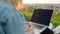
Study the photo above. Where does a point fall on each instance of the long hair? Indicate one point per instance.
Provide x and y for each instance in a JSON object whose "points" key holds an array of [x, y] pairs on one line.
{"points": [[16, 3], [13, 2]]}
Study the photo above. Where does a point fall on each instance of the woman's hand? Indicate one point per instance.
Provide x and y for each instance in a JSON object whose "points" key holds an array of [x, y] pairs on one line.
{"points": [[29, 30]]}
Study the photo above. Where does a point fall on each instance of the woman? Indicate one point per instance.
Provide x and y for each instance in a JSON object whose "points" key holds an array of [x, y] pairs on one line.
{"points": [[11, 20]]}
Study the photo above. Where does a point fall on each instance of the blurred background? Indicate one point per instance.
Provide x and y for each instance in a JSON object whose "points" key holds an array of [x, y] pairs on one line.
{"points": [[29, 8]]}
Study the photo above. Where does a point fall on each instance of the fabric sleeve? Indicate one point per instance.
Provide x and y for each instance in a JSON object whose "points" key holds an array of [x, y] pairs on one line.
{"points": [[15, 23]]}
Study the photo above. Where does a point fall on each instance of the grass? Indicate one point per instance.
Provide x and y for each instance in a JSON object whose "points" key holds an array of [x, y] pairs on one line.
{"points": [[55, 18]]}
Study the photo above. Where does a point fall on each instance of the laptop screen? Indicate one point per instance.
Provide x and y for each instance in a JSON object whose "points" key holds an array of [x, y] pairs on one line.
{"points": [[42, 16]]}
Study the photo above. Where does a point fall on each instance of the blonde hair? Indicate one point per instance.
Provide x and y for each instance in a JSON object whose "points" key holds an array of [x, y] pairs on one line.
{"points": [[16, 3], [13, 2]]}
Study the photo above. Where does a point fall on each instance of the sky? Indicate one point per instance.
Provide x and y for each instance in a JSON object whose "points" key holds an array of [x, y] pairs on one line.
{"points": [[41, 1]]}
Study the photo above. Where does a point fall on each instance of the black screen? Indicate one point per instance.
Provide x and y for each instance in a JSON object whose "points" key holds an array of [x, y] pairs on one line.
{"points": [[42, 16]]}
